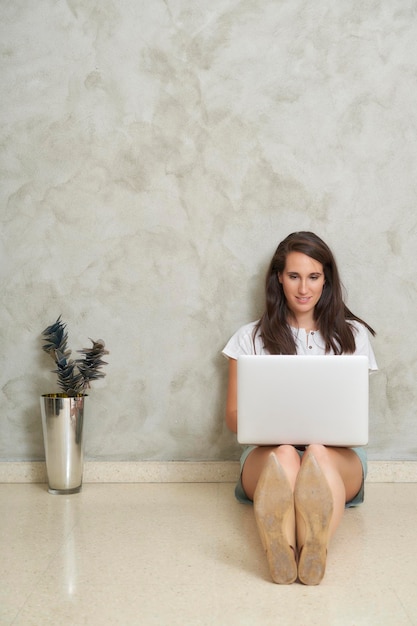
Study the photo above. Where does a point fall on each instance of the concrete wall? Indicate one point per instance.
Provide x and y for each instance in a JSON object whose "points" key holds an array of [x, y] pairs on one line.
{"points": [[153, 154]]}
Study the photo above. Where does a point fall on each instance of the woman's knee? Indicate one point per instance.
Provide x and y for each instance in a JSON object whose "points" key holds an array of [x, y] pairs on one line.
{"points": [[287, 453], [290, 460], [320, 452]]}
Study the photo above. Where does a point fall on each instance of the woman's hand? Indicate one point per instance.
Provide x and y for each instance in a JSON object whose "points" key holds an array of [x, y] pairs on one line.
{"points": [[231, 402]]}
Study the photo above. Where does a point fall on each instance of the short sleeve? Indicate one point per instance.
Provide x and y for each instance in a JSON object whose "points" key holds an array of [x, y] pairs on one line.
{"points": [[363, 344], [243, 342]]}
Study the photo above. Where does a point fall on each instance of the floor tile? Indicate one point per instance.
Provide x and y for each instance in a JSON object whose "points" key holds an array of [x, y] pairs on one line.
{"points": [[189, 554]]}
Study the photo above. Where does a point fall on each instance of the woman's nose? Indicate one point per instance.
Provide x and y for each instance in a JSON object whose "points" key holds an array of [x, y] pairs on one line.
{"points": [[302, 287]]}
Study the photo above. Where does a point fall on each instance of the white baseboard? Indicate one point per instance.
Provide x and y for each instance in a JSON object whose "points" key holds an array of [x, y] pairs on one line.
{"points": [[181, 472]]}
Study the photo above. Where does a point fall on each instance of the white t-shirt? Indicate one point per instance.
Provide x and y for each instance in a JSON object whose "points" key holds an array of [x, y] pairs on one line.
{"points": [[311, 343]]}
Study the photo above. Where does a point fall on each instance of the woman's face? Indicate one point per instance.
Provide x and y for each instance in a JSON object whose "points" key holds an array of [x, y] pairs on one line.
{"points": [[302, 281]]}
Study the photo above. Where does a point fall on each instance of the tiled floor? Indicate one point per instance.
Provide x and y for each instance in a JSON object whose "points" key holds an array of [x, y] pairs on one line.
{"points": [[189, 554]]}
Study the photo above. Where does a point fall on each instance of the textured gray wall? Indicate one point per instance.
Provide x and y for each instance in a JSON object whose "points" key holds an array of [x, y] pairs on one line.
{"points": [[153, 153]]}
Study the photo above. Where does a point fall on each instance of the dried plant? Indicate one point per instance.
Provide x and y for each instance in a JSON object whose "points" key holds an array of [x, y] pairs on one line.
{"points": [[74, 376]]}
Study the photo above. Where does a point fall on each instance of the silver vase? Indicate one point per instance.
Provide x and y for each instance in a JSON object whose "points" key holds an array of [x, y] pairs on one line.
{"points": [[62, 425]]}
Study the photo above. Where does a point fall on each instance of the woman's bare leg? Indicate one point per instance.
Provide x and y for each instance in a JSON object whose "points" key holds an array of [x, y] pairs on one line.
{"points": [[268, 478], [290, 461], [343, 472], [327, 479], [287, 456], [323, 482]]}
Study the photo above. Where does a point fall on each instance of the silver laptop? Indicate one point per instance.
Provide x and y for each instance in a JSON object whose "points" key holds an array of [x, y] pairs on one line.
{"points": [[301, 400]]}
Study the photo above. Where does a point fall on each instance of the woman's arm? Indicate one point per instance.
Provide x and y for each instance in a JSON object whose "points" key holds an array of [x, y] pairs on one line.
{"points": [[231, 402]]}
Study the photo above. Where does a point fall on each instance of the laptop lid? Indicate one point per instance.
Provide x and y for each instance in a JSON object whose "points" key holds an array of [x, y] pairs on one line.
{"points": [[301, 400]]}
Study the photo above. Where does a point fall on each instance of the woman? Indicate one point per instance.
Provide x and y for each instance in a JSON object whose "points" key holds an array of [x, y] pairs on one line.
{"points": [[299, 493]]}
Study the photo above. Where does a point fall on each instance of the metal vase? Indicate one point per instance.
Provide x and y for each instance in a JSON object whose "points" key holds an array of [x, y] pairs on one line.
{"points": [[62, 425]]}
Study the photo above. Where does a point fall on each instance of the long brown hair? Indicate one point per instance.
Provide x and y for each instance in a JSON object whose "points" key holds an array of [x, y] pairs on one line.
{"points": [[330, 314]]}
